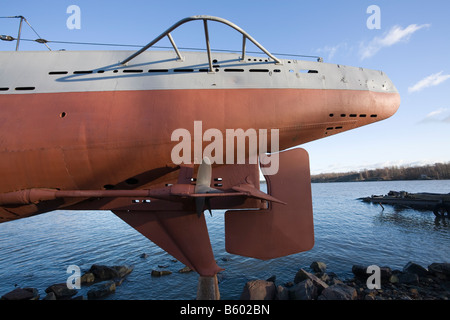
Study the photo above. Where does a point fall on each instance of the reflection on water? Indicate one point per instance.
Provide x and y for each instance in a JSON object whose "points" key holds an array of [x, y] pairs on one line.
{"points": [[413, 219], [36, 252]]}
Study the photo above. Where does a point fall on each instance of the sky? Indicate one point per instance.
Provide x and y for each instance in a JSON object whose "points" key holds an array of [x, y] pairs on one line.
{"points": [[408, 40]]}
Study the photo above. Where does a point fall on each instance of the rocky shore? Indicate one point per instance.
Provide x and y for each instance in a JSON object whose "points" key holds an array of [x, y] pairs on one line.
{"points": [[413, 282], [102, 281]]}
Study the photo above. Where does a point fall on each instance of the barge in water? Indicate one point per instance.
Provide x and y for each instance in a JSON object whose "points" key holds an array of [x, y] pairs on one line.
{"points": [[439, 203]]}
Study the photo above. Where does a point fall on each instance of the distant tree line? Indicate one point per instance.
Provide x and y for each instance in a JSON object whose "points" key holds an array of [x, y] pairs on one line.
{"points": [[437, 171]]}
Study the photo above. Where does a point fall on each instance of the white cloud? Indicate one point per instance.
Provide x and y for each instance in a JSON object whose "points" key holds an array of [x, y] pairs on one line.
{"points": [[436, 112], [430, 81], [439, 115], [394, 35]]}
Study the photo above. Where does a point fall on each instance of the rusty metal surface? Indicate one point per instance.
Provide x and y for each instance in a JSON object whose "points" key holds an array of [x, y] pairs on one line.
{"points": [[106, 138], [282, 229], [182, 234]]}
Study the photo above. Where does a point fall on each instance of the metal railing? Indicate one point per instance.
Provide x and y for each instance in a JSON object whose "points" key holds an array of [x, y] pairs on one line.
{"points": [[245, 37]]}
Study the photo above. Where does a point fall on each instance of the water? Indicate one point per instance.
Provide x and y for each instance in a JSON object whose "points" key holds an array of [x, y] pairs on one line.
{"points": [[35, 252]]}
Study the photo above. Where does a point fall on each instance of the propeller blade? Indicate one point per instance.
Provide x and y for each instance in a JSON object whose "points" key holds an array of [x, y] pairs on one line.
{"points": [[203, 183]]}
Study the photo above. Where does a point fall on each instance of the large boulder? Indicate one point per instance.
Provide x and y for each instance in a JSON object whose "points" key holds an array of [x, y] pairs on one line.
{"points": [[304, 290], [282, 293], [101, 290], [21, 294], [360, 272], [303, 275], [318, 266], [123, 271], [61, 291], [441, 270], [102, 273], [88, 277], [259, 290], [339, 292], [415, 268]]}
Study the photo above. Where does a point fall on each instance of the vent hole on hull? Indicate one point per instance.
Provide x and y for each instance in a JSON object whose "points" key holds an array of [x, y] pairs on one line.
{"points": [[132, 71], [183, 70], [83, 72], [132, 181], [259, 70], [158, 70], [24, 88], [57, 72]]}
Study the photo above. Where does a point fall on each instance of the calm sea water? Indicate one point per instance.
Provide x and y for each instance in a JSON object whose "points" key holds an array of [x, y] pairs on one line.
{"points": [[36, 252]]}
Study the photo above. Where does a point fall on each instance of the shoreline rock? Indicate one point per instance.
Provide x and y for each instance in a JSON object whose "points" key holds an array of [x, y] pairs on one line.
{"points": [[21, 294], [413, 282], [60, 292], [102, 280], [101, 290], [102, 273], [160, 273], [259, 290]]}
